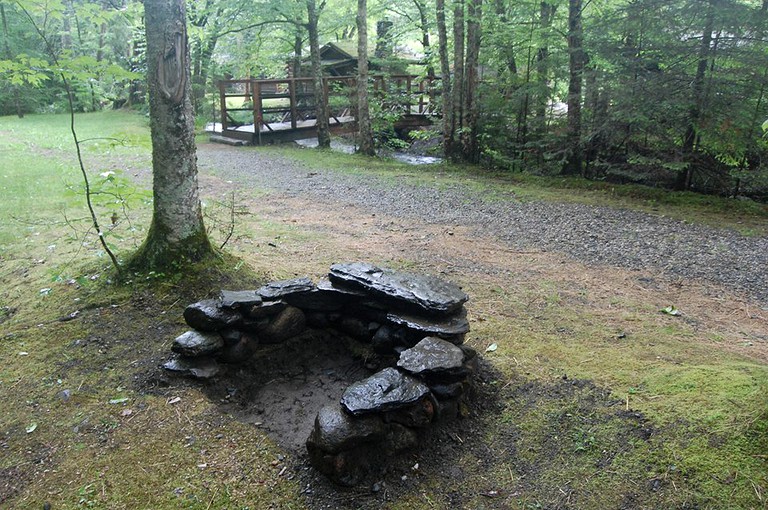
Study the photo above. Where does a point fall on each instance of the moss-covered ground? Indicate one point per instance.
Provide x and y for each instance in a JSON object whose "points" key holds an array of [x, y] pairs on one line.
{"points": [[590, 397]]}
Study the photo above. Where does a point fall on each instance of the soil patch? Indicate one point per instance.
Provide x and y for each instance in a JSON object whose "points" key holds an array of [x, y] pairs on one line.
{"points": [[283, 387]]}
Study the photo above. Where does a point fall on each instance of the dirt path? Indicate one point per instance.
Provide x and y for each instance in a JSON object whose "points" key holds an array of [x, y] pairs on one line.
{"points": [[486, 245], [595, 236]]}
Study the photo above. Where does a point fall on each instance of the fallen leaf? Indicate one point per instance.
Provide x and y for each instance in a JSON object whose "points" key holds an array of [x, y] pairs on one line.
{"points": [[174, 400], [32, 427], [671, 310], [126, 412], [492, 347]]}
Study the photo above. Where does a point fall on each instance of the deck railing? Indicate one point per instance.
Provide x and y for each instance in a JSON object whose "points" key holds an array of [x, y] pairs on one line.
{"points": [[292, 100]]}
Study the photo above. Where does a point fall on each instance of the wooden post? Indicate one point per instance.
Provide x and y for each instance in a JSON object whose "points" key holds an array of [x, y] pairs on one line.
{"points": [[292, 99], [325, 97], [223, 102], [258, 112], [421, 97]]}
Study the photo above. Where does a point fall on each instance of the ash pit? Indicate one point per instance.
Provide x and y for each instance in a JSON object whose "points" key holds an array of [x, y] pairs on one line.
{"points": [[355, 368]]}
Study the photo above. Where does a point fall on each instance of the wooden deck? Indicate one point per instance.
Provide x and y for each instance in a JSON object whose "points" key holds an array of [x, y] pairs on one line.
{"points": [[271, 111]]}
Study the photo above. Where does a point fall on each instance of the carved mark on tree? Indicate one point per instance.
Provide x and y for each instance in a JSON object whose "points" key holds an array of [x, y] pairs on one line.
{"points": [[170, 68]]}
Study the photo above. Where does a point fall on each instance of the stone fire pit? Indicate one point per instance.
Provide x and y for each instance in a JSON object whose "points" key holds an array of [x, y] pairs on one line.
{"points": [[415, 323]]}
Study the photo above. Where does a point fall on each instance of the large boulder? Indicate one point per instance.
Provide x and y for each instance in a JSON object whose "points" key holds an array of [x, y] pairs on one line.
{"points": [[421, 293]]}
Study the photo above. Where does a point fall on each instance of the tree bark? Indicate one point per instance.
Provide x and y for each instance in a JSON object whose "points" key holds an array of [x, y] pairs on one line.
{"points": [[8, 54], [457, 100], [469, 131], [365, 132], [321, 106], [697, 99], [445, 71], [574, 158], [546, 15], [177, 233]]}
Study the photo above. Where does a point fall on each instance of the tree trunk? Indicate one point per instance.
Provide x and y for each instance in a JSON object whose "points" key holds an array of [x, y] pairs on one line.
{"points": [[365, 133], [298, 43], [546, 16], [573, 161], [177, 233], [697, 100], [445, 70], [469, 139], [457, 100], [426, 44], [9, 55], [321, 106]]}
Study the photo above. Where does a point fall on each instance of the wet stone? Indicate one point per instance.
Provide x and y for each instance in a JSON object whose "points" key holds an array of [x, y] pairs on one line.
{"points": [[266, 309], [383, 391], [425, 293], [335, 430], [207, 315], [290, 322], [240, 352], [200, 368], [196, 343], [239, 298], [449, 327], [431, 355], [283, 288]]}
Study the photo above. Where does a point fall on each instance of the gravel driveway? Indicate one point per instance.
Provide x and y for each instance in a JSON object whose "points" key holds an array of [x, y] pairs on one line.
{"points": [[591, 234]]}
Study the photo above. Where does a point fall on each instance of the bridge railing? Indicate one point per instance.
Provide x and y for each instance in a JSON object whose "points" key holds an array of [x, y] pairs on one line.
{"points": [[288, 103]]}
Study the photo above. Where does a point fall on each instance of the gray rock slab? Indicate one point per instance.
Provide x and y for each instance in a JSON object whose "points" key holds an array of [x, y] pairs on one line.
{"points": [[266, 309], [442, 327], [279, 289], [197, 343], [383, 391], [239, 298], [200, 368], [207, 315], [431, 355], [424, 293]]}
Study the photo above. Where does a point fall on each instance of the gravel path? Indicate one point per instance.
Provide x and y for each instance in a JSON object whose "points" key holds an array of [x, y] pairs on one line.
{"points": [[591, 234]]}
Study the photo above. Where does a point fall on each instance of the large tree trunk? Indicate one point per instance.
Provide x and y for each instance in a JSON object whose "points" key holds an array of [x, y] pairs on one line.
{"points": [[321, 109], [469, 138], [365, 132], [445, 70], [546, 16], [177, 233], [457, 100], [697, 100], [8, 54], [573, 161], [426, 44]]}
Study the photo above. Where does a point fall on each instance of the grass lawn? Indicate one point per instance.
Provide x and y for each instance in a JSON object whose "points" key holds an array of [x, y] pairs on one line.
{"points": [[592, 397]]}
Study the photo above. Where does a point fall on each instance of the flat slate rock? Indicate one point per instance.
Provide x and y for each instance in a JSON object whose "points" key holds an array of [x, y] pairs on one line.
{"points": [[421, 292], [197, 343], [431, 355], [199, 368], [443, 327], [207, 315], [383, 391], [282, 288], [239, 298]]}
